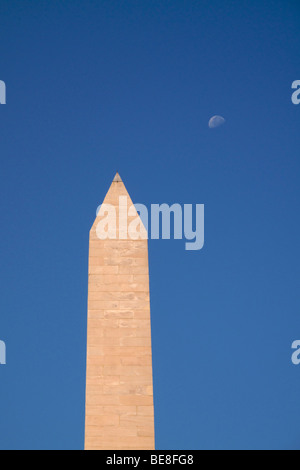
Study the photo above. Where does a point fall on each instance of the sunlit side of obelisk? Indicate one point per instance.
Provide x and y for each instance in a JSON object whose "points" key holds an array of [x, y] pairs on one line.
{"points": [[119, 390]]}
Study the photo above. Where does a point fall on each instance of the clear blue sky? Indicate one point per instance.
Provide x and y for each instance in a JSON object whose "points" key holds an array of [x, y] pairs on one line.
{"points": [[99, 86]]}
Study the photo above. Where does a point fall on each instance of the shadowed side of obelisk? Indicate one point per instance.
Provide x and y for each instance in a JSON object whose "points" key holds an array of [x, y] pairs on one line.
{"points": [[119, 390]]}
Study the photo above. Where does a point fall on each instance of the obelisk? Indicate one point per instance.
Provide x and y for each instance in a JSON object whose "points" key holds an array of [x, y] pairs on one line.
{"points": [[119, 390]]}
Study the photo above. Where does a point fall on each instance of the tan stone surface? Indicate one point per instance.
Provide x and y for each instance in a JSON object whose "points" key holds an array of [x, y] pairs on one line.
{"points": [[119, 389]]}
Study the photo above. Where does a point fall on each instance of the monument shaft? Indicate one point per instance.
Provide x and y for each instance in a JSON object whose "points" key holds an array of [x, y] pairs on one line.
{"points": [[119, 389]]}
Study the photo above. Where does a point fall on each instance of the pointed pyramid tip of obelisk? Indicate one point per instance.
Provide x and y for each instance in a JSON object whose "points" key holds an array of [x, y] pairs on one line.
{"points": [[117, 178]]}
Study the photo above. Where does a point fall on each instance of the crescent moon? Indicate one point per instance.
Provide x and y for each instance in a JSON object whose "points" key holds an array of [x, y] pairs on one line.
{"points": [[216, 121]]}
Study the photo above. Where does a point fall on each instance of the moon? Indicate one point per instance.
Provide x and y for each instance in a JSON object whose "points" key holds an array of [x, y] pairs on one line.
{"points": [[216, 121]]}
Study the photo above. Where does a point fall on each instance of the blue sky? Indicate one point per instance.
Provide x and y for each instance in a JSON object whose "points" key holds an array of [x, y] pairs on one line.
{"points": [[95, 87]]}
